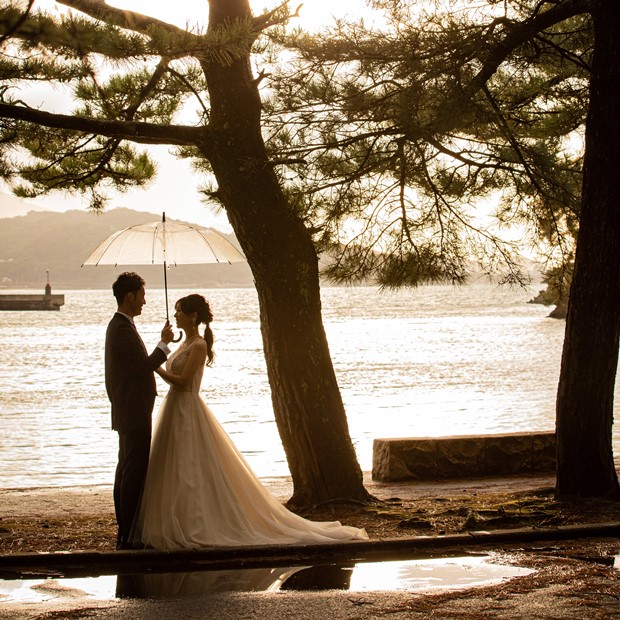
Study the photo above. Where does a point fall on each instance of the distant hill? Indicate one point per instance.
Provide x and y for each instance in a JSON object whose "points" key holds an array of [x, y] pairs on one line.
{"points": [[60, 242], [10, 205]]}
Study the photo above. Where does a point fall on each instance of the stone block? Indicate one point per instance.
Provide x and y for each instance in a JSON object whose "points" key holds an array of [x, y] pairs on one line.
{"points": [[507, 454], [543, 452], [419, 458], [436, 458], [403, 459], [459, 457]]}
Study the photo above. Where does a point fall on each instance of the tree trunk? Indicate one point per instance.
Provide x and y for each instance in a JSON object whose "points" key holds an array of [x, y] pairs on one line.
{"points": [[308, 407], [590, 356]]}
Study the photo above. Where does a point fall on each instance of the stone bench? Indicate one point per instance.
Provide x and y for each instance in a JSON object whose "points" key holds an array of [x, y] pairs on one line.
{"points": [[436, 458]]}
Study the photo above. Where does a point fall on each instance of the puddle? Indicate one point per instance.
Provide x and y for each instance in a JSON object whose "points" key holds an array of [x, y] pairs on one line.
{"points": [[442, 573]]}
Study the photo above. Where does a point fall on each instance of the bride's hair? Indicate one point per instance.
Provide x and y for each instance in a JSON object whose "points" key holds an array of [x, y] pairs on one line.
{"points": [[198, 304]]}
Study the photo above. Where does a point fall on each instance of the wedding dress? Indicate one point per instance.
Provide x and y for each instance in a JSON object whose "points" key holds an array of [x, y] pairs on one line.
{"points": [[200, 491]]}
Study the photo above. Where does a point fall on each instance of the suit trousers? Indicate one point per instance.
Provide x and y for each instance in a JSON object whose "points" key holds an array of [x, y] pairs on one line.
{"points": [[133, 459]]}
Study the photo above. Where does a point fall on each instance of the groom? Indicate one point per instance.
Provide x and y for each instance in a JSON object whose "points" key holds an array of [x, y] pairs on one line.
{"points": [[130, 384]]}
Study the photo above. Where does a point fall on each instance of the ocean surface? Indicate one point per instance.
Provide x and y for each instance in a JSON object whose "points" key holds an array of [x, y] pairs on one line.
{"points": [[426, 362]]}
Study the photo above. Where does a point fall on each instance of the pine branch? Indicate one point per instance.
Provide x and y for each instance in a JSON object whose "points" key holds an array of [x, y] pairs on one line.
{"points": [[148, 88], [138, 132], [188, 85], [18, 23], [496, 55], [130, 20], [275, 17], [224, 43], [71, 36]]}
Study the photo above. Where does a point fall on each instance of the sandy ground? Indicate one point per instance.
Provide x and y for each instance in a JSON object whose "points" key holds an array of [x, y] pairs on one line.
{"points": [[46, 502], [569, 580]]}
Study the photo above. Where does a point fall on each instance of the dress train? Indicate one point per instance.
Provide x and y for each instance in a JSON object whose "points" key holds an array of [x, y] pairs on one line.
{"points": [[200, 491]]}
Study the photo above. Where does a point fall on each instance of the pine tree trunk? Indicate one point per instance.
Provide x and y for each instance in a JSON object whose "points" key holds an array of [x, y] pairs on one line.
{"points": [[590, 356], [308, 407]]}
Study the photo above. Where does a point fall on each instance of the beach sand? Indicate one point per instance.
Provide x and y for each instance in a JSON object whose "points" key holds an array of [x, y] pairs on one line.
{"points": [[56, 502]]}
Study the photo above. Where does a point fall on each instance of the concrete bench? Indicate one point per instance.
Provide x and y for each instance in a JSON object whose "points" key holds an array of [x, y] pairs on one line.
{"points": [[437, 458]]}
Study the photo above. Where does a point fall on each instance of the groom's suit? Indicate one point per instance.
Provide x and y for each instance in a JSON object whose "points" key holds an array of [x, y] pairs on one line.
{"points": [[131, 388]]}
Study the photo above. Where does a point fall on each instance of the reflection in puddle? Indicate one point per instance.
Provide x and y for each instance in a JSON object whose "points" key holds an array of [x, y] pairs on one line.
{"points": [[38, 590], [201, 582], [444, 573]]}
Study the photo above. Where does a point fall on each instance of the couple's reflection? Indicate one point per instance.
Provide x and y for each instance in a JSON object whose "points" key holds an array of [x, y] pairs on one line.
{"points": [[243, 580]]}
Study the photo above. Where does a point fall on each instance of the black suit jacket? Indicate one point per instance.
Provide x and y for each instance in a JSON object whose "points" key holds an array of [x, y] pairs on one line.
{"points": [[129, 377]]}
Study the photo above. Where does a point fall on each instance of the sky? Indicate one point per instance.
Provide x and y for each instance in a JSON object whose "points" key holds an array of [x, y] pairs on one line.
{"points": [[175, 189]]}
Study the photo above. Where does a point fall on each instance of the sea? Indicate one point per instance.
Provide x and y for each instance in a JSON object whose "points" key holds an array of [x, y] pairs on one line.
{"points": [[430, 361]]}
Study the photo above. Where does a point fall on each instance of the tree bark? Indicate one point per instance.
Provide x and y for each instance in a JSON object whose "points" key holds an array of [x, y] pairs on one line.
{"points": [[590, 356], [308, 407]]}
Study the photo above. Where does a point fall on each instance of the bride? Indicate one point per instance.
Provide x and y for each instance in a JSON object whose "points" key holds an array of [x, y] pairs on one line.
{"points": [[199, 490]]}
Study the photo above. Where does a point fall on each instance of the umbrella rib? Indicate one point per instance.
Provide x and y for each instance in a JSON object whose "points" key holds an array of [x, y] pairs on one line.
{"points": [[155, 237], [206, 241], [212, 250], [110, 241]]}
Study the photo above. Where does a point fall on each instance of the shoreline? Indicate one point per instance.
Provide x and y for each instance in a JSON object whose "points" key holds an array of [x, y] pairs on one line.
{"points": [[46, 502]]}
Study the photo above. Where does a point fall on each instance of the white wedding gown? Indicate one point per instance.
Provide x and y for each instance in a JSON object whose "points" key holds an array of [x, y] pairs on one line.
{"points": [[199, 490]]}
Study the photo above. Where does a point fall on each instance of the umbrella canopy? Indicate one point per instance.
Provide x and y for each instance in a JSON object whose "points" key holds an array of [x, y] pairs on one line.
{"points": [[165, 243], [171, 243]]}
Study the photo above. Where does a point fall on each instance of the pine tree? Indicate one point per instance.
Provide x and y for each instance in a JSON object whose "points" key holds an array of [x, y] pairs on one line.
{"points": [[392, 137], [132, 77]]}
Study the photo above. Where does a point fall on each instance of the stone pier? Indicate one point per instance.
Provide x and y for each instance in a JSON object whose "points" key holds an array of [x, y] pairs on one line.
{"points": [[437, 458]]}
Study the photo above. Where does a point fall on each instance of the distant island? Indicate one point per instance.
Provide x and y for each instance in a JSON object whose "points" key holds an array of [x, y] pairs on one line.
{"points": [[42, 241]]}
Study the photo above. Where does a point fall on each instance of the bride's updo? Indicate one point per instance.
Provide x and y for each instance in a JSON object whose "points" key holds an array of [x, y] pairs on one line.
{"points": [[198, 304]]}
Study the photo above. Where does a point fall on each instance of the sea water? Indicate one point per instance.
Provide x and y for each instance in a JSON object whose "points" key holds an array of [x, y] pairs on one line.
{"points": [[424, 362]]}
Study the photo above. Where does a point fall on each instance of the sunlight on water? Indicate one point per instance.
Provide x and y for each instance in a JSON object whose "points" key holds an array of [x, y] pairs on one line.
{"points": [[431, 361], [404, 575], [39, 590], [439, 573]]}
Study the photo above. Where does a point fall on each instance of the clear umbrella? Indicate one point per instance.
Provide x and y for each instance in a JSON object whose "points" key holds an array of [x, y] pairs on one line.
{"points": [[165, 243]]}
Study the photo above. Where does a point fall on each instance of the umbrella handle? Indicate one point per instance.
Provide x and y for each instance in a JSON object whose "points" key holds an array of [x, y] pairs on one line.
{"points": [[178, 338]]}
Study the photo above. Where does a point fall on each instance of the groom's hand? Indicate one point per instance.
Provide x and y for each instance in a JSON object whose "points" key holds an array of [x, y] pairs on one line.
{"points": [[167, 335]]}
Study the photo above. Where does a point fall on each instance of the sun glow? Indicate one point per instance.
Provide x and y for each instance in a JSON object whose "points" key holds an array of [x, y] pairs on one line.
{"points": [[312, 14], [175, 188]]}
